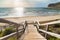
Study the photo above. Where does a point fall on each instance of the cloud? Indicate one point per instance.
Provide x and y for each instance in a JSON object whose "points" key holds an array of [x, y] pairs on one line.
{"points": [[29, 3], [40, 3], [36, 1], [33, 3], [25, 2], [5, 1]]}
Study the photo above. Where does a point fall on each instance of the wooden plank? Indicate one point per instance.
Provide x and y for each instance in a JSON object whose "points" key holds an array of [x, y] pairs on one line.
{"points": [[50, 23], [31, 33], [10, 35], [46, 32], [7, 21], [50, 33], [47, 28]]}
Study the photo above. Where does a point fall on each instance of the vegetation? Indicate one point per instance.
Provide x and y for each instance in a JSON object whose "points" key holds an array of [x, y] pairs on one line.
{"points": [[13, 38], [53, 38], [0, 32], [8, 31], [55, 29], [52, 28]]}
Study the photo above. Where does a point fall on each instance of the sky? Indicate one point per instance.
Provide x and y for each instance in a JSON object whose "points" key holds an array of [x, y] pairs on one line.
{"points": [[41, 3], [28, 3]]}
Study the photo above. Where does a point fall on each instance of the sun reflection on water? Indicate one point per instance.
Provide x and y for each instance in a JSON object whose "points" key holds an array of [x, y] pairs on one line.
{"points": [[19, 11]]}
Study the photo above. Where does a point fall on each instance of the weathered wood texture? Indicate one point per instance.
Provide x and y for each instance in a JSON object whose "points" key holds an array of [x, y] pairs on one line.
{"points": [[31, 33]]}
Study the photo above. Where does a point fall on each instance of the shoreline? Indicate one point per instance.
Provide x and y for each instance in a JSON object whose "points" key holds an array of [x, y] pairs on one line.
{"points": [[27, 16]]}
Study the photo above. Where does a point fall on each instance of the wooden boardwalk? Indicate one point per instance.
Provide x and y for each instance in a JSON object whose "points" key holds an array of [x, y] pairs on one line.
{"points": [[31, 33]]}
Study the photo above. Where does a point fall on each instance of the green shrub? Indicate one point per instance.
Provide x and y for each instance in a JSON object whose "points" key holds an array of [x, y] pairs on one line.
{"points": [[57, 25], [53, 38], [0, 32], [7, 31], [13, 38]]}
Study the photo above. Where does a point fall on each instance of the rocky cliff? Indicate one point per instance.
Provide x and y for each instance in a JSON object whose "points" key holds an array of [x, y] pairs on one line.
{"points": [[54, 5]]}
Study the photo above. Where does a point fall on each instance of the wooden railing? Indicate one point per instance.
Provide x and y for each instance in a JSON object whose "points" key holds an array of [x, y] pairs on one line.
{"points": [[18, 33], [24, 25], [46, 31]]}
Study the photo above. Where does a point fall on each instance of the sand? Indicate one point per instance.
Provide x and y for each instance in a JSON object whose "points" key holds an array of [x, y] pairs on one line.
{"points": [[33, 18]]}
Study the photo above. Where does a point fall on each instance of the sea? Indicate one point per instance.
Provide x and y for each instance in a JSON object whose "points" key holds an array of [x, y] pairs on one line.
{"points": [[28, 11]]}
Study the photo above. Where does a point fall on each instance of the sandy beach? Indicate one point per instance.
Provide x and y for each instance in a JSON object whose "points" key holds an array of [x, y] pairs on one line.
{"points": [[33, 18]]}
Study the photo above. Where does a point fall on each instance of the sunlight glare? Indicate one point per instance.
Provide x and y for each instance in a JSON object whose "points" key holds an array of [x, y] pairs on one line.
{"points": [[18, 8], [19, 11]]}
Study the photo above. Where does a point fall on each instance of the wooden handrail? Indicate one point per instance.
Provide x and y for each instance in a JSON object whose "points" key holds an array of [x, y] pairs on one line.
{"points": [[46, 32], [24, 25], [10, 35], [17, 30], [6, 21], [50, 33], [51, 23]]}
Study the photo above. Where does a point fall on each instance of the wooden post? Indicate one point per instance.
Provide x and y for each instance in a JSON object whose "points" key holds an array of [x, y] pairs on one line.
{"points": [[37, 25], [26, 28], [17, 32], [47, 28], [24, 25]]}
